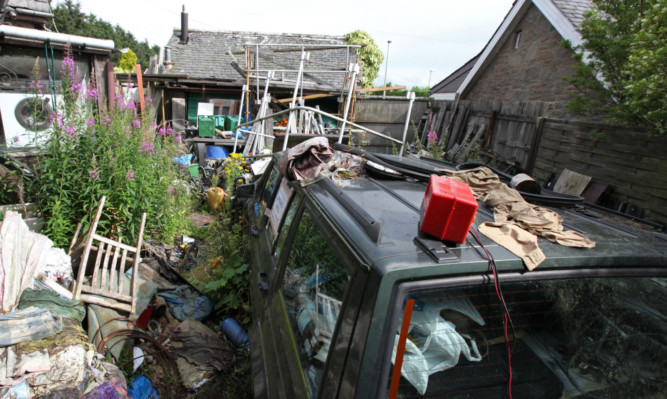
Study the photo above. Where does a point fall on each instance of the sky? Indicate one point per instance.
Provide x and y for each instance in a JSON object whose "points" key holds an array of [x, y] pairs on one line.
{"points": [[429, 39]]}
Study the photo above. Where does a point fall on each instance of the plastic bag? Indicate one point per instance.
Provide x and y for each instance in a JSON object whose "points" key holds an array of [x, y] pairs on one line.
{"points": [[434, 343]]}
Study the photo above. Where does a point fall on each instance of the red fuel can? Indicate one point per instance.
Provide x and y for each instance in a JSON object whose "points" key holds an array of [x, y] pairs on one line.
{"points": [[448, 209]]}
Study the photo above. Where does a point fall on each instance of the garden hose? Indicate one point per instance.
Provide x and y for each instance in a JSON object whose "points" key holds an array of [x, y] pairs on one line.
{"points": [[51, 72]]}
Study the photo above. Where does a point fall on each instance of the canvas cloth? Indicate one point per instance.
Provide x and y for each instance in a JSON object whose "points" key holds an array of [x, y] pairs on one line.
{"points": [[517, 223]]}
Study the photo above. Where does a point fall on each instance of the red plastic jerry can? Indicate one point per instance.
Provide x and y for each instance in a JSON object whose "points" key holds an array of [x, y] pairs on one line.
{"points": [[448, 209]]}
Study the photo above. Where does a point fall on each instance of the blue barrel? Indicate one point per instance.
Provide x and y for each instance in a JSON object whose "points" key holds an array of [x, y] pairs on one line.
{"points": [[234, 332], [216, 152]]}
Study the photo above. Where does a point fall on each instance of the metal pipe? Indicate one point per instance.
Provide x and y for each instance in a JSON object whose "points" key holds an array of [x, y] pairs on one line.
{"points": [[184, 26], [15, 32], [328, 115], [354, 69], [236, 136], [411, 97], [304, 56], [386, 65]]}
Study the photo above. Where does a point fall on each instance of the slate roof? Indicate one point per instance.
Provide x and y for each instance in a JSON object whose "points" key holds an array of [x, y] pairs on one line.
{"points": [[574, 10], [452, 82], [206, 56], [34, 5]]}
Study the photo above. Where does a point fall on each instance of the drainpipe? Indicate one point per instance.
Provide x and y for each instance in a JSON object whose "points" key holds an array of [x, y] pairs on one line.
{"points": [[411, 97], [184, 26], [354, 69]]}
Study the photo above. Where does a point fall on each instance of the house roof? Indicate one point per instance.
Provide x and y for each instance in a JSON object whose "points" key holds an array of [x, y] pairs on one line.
{"points": [[566, 17], [220, 56], [452, 82]]}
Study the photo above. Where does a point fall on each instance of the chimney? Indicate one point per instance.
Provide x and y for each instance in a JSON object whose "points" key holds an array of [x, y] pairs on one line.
{"points": [[167, 58], [184, 26]]}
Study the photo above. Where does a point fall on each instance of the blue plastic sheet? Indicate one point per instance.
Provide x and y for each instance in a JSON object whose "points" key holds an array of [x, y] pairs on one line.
{"points": [[184, 159], [184, 302], [141, 388]]}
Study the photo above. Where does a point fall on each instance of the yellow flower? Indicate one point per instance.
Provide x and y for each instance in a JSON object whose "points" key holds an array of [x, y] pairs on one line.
{"points": [[240, 168]]}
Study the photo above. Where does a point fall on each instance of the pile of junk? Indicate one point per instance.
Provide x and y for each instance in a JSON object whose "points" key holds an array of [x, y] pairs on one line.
{"points": [[102, 319]]}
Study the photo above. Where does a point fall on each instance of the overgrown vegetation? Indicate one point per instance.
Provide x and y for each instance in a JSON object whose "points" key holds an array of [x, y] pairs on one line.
{"points": [[622, 65], [89, 153], [370, 55], [68, 18]]}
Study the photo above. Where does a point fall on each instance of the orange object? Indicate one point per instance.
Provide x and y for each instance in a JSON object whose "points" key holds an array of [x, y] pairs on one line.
{"points": [[400, 349], [140, 85], [448, 209], [216, 198]]}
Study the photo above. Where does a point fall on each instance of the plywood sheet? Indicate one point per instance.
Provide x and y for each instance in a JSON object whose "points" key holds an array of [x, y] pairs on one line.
{"points": [[570, 182]]}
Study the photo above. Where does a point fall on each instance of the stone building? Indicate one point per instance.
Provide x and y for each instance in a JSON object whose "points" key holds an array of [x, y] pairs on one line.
{"points": [[524, 59]]}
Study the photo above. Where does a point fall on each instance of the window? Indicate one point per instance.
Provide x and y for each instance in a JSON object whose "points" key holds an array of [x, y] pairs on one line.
{"points": [[517, 39], [313, 286], [269, 190], [584, 337]]}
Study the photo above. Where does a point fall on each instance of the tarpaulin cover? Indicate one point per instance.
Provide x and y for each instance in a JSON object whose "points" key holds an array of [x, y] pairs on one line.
{"points": [[305, 160], [141, 388], [184, 302], [28, 325], [22, 252], [59, 306]]}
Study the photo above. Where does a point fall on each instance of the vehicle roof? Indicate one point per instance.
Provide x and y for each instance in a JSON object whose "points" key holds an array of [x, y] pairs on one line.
{"points": [[395, 205]]}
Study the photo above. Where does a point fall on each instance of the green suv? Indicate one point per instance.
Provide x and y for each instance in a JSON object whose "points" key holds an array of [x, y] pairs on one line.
{"points": [[350, 300]]}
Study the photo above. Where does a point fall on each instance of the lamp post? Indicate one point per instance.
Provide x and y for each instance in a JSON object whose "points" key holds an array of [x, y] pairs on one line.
{"points": [[386, 63], [429, 78]]}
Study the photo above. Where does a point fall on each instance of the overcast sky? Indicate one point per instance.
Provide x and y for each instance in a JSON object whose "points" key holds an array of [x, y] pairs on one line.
{"points": [[425, 35]]}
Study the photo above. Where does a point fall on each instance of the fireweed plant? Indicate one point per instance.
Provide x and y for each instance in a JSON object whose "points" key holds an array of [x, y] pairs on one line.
{"points": [[92, 152]]}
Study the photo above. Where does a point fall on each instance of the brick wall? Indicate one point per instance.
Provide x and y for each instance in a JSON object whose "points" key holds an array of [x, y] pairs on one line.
{"points": [[532, 72]]}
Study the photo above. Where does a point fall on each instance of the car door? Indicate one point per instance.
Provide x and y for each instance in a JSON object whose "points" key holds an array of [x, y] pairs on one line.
{"points": [[312, 296]]}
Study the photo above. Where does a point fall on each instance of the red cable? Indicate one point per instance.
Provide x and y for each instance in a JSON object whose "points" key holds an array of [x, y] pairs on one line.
{"points": [[496, 284]]}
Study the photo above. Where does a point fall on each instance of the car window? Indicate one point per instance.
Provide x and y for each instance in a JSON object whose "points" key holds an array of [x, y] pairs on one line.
{"points": [[314, 284], [269, 189], [583, 337], [283, 233]]}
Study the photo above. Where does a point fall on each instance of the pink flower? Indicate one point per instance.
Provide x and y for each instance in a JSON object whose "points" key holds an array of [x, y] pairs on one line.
{"points": [[90, 122], [94, 174], [170, 191], [147, 147], [432, 137], [178, 138], [130, 175], [131, 105], [36, 85], [137, 123], [161, 132], [91, 93], [70, 130], [16, 139], [76, 87]]}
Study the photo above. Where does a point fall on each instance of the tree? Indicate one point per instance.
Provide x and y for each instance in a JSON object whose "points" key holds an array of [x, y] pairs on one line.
{"points": [[370, 55], [621, 69], [128, 61], [68, 18]]}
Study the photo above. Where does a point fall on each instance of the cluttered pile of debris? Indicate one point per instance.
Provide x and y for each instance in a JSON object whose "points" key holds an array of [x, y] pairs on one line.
{"points": [[104, 319]]}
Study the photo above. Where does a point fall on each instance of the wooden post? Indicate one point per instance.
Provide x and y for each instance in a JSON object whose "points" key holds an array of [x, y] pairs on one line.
{"points": [[140, 85], [111, 85]]}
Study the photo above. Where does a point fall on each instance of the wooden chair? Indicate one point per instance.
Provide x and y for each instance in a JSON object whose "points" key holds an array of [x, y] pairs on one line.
{"points": [[105, 287]]}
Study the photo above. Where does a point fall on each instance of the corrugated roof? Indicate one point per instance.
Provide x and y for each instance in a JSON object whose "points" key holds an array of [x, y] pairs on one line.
{"points": [[207, 56], [574, 10]]}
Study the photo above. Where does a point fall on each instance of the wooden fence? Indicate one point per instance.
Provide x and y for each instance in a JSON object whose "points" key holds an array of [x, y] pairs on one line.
{"points": [[630, 160]]}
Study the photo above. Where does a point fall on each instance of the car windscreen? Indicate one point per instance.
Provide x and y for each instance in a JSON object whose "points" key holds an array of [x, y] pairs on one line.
{"points": [[601, 337]]}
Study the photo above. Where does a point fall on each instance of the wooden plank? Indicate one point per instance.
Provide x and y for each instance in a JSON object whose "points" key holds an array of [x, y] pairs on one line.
{"points": [[96, 266], [114, 243], [570, 182], [106, 293], [106, 303]]}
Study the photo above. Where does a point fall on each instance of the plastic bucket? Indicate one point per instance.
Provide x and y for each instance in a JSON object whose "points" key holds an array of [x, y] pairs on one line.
{"points": [[234, 332], [216, 152]]}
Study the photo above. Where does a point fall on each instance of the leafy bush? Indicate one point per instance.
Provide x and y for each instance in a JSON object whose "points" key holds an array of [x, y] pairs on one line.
{"points": [[90, 152]]}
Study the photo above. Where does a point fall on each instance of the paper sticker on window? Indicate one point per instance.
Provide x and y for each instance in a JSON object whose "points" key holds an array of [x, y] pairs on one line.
{"points": [[279, 205]]}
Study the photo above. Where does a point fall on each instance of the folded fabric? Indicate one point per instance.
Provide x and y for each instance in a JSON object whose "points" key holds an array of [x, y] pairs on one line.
{"points": [[517, 220]]}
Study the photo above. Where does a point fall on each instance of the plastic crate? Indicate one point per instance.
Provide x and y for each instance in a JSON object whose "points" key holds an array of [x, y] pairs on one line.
{"points": [[206, 126], [231, 122]]}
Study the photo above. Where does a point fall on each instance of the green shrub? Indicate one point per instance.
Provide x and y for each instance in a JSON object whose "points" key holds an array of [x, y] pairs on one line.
{"points": [[90, 152]]}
